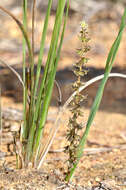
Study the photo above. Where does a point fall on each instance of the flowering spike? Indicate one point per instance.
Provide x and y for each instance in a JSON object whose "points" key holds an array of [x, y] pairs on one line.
{"points": [[79, 70]]}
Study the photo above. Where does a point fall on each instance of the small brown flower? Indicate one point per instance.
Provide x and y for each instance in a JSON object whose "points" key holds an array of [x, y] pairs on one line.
{"points": [[74, 126]]}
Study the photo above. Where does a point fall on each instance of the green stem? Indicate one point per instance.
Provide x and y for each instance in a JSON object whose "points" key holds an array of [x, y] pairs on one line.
{"points": [[24, 135], [96, 103], [35, 114], [49, 68]]}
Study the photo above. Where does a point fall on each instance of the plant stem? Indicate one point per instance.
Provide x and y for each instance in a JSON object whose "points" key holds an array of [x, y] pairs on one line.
{"points": [[96, 103]]}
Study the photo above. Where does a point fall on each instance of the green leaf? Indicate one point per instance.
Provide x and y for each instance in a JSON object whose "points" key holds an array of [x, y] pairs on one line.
{"points": [[96, 103]]}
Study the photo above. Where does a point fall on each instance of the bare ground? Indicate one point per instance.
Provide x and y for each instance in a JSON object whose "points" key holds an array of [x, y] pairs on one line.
{"points": [[103, 165]]}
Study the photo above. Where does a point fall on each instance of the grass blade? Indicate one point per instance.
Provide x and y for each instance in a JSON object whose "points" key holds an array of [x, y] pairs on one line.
{"points": [[24, 128], [35, 114], [49, 64], [42, 45], [22, 30], [109, 63], [33, 23], [46, 148], [49, 72]]}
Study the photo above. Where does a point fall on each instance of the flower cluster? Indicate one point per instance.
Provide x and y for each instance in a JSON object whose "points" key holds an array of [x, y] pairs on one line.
{"points": [[79, 70]]}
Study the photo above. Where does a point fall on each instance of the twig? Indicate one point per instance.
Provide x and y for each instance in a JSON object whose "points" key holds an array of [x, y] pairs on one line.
{"points": [[17, 115], [13, 70], [12, 114], [90, 151], [16, 73], [54, 129], [60, 93]]}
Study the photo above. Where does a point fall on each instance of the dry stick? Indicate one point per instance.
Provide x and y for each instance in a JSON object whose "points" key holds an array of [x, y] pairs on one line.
{"points": [[54, 129], [17, 115], [90, 151], [60, 93], [21, 27], [25, 35], [12, 114], [13, 70], [16, 73]]}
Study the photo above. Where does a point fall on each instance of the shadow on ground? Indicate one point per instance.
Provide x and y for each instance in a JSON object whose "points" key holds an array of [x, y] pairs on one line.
{"points": [[114, 97]]}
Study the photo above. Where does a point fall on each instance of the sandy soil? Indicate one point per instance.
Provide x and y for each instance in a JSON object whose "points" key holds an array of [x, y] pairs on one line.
{"points": [[103, 164]]}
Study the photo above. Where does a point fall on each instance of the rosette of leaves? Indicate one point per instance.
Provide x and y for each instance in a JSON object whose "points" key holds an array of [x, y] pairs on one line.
{"points": [[74, 126]]}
